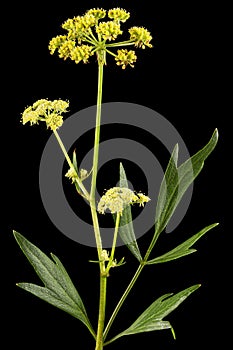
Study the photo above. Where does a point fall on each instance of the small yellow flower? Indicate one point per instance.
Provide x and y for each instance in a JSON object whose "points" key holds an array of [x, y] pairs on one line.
{"points": [[109, 30], [54, 121], [141, 36], [118, 14], [59, 106], [69, 24], [47, 111], [87, 21], [72, 174], [30, 116], [80, 24], [66, 49], [42, 102], [104, 255], [56, 42], [81, 53], [97, 13], [83, 174], [117, 198], [142, 199], [125, 57]]}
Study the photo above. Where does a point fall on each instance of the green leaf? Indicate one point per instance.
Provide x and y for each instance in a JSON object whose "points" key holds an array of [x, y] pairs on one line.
{"points": [[52, 298], [153, 317], [177, 180], [74, 161], [58, 288], [126, 229], [182, 249], [169, 188]]}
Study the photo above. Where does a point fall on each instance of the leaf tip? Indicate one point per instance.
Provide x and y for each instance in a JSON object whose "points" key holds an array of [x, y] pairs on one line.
{"points": [[17, 235], [216, 132], [176, 148], [173, 333], [215, 135]]}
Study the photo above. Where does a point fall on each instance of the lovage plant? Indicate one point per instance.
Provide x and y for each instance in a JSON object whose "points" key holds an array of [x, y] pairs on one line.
{"points": [[95, 34]]}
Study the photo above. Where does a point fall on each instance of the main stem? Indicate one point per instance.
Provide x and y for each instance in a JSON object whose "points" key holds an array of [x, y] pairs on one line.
{"points": [[95, 164], [103, 275]]}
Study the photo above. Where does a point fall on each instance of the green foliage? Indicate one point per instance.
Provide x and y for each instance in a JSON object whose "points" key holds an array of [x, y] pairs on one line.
{"points": [[182, 249], [177, 180], [152, 318], [74, 161], [58, 288], [126, 229]]}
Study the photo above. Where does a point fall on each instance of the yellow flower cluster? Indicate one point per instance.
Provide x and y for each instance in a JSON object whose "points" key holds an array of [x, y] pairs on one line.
{"points": [[118, 14], [117, 198], [142, 199], [48, 111], [81, 53], [125, 57], [109, 30], [79, 26], [89, 34], [72, 174], [97, 13], [140, 36]]}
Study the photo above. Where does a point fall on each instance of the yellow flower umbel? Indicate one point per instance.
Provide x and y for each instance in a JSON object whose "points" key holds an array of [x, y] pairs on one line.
{"points": [[47, 111], [92, 34], [125, 57], [140, 36], [108, 30], [117, 198], [118, 15]]}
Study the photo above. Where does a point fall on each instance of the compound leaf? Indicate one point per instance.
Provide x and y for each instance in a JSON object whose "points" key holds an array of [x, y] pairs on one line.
{"points": [[58, 288]]}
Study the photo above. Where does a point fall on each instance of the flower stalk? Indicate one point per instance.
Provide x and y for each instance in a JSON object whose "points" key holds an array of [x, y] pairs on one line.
{"points": [[76, 177]]}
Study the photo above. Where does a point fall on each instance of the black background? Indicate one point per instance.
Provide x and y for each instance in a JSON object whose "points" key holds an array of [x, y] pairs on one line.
{"points": [[182, 79]]}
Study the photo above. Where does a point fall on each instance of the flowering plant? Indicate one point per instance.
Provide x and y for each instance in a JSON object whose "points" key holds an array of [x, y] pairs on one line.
{"points": [[86, 36]]}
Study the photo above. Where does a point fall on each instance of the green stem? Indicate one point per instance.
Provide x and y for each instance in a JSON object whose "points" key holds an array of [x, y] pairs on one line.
{"points": [[115, 236], [122, 43], [121, 301], [79, 182], [102, 306], [103, 275], [111, 258], [97, 132], [111, 53], [95, 165], [92, 36], [152, 244]]}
